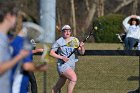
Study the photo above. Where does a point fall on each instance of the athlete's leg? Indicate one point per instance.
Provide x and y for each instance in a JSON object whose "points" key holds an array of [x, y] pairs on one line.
{"points": [[32, 80], [59, 84], [71, 75]]}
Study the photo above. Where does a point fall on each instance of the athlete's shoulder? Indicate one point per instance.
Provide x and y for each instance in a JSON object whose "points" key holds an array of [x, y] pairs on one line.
{"points": [[18, 39], [72, 37], [59, 40]]}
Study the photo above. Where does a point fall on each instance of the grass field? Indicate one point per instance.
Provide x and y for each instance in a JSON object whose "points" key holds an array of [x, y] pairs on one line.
{"points": [[98, 74]]}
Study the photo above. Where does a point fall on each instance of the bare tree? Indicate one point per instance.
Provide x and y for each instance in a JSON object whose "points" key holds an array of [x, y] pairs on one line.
{"points": [[90, 15], [19, 23], [87, 5], [100, 7], [135, 7], [73, 17], [123, 4], [58, 16]]}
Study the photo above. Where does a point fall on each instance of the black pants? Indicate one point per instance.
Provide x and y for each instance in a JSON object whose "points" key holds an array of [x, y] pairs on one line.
{"points": [[32, 80]]}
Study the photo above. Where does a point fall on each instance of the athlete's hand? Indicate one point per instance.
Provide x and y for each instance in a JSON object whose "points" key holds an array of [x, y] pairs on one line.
{"points": [[65, 59], [81, 44], [38, 50], [23, 53], [42, 67], [81, 48]]}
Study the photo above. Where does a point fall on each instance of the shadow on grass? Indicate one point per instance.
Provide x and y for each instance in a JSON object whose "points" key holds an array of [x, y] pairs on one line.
{"points": [[133, 78]]}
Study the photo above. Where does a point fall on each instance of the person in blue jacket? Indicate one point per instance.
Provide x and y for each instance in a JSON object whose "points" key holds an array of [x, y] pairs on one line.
{"points": [[20, 73]]}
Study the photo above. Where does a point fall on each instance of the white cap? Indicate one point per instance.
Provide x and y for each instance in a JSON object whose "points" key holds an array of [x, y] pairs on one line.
{"points": [[65, 27]]}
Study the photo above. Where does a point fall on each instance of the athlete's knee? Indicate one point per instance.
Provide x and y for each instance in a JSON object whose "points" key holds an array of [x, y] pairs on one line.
{"points": [[73, 78], [72, 82]]}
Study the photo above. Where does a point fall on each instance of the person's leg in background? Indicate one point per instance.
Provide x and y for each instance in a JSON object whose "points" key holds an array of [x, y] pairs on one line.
{"points": [[32, 80], [126, 43], [61, 81], [132, 41]]}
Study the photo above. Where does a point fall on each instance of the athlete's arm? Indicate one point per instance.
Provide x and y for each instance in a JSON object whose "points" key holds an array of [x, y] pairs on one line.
{"points": [[81, 49], [9, 64], [38, 50], [30, 66], [53, 53]]}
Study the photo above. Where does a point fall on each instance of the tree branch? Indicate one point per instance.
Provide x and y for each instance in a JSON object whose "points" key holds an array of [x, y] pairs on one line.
{"points": [[123, 4]]}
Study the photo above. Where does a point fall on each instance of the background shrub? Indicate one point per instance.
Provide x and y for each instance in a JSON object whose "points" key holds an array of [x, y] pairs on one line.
{"points": [[108, 27]]}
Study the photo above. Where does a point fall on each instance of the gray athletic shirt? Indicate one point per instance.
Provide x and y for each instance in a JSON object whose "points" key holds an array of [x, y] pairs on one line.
{"points": [[65, 50], [4, 56]]}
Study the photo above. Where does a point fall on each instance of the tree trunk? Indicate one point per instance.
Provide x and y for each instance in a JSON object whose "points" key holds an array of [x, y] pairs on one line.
{"points": [[100, 8], [135, 7], [73, 17], [123, 4], [19, 22], [87, 5], [58, 17], [90, 15]]}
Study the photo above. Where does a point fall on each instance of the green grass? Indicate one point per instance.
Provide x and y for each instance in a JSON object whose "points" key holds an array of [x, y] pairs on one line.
{"points": [[98, 74]]}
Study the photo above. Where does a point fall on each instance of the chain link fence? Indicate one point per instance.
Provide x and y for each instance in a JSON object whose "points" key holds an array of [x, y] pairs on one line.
{"points": [[96, 74]]}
